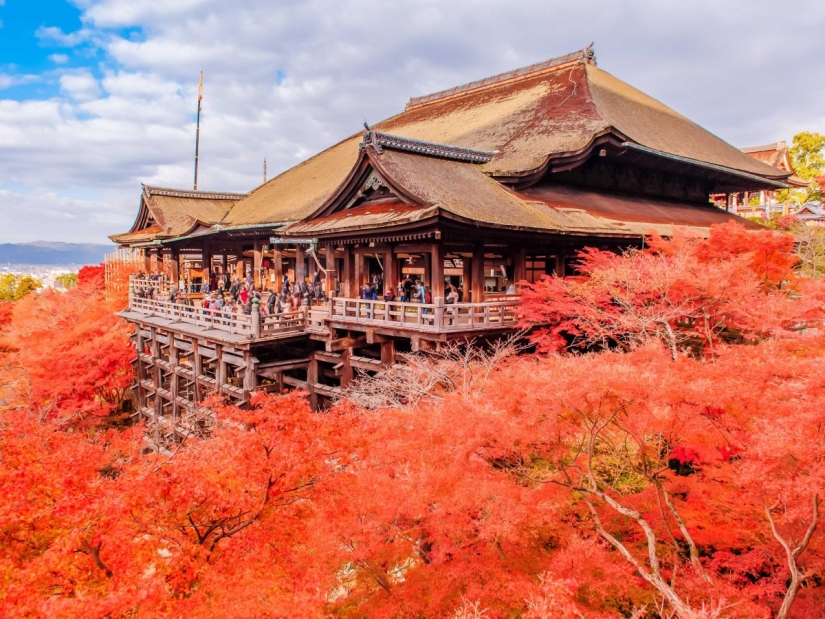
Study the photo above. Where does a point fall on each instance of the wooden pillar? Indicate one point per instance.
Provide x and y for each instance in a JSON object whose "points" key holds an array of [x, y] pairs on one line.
{"points": [[312, 378], [147, 260], [477, 279], [387, 353], [140, 371], [220, 368], [157, 411], [250, 377], [561, 254], [239, 271], [223, 261], [359, 278], [519, 266], [346, 370], [330, 272], [206, 260], [300, 264], [174, 262], [390, 270], [348, 276], [466, 279], [174, 379], [437, 270], [278, 269], [257, 262], [197, 370]]}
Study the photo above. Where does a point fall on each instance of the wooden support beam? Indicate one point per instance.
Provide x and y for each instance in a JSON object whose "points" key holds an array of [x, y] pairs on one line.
{"points": [[174, 262], [376, 338], [345, 342], [197, 369], [477, 279], [347, 277], [346, 370], [437, 269], [250, 378], [257, 263], [278, 269], [360, 277], [300, 264], [519, 265], [388, 353], [312, 378], [561, 255]]}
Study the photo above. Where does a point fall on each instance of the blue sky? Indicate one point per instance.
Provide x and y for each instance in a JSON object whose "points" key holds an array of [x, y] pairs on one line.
{"points": [[98, 96]]}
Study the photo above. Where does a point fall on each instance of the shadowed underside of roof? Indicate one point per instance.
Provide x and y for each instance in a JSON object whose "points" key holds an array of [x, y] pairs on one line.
{"points": [[528, 119]]}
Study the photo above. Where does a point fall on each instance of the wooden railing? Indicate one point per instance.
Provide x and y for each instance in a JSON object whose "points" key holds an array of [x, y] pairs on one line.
{"points": [[159, 287], [438, 317], [431, 317]]}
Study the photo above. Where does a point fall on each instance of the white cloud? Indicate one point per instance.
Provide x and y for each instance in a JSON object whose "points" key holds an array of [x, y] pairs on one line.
{"points": [[79, 85], [50, 35], [59, 58], [737, 68]]}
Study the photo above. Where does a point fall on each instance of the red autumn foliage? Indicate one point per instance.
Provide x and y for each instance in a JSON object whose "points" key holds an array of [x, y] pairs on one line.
{"points": [[609, 483], [685, 291]]}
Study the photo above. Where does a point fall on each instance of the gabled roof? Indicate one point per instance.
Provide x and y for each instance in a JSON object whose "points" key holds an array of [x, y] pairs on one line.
{"points": [[423, 187], [166, 213], [526, 117], [777, 156], [810, 210]]}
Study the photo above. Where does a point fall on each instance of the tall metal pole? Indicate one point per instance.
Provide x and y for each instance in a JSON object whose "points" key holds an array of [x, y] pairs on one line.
{"points": [[198, 129]]}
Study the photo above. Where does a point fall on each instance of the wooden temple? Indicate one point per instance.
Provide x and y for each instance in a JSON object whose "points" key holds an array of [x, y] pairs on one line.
{"points": [[477, 188]]}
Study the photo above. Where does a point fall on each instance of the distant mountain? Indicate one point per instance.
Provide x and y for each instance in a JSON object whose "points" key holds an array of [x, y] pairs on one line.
{"points": [[43, 252]]}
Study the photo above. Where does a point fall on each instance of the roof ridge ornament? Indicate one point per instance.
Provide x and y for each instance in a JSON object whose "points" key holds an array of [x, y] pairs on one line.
{"points": [[190, 193], [379, 141], [583, 56]]}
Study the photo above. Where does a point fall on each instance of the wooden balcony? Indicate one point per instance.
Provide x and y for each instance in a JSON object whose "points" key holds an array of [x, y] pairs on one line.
{"points": [[437, 318]]}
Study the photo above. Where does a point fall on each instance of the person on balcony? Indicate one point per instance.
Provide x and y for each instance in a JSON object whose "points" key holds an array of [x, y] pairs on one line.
{"points": [[368, 292], [389, 295], [452, 295]]}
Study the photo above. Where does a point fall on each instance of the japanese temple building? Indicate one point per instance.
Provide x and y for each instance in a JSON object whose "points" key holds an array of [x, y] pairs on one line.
{"points": [[481, 186]]}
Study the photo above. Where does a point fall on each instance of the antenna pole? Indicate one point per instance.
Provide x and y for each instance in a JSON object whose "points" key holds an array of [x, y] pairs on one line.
{"points": [[264, 170], [198, 129]]}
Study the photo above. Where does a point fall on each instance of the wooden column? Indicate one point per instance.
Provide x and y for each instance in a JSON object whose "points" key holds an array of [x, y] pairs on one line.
{"points": [[239, 272], [358, 280], [147, 260], [278, 269], [300, 264], [477, 279], [346, 371], [257, 262], [347, 277], [220, 368], [174, 262], [206, 260], [140, 371], [174, 379], [391, 276], [466, 279], [250, 377], [312, 378], [437, 270], [329, 271], [387, 353], [561, 254], [197, 370], [519, 266], [157, 412]]}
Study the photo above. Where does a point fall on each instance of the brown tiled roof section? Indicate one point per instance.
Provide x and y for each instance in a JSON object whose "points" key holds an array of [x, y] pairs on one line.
{"points": [[552, 113], [367, 217], [583, 55], [777, 155], [141, 236], [177, 211]]}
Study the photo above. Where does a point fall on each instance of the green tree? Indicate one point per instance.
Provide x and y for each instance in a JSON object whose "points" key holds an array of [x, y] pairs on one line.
{"points": [[67, 280], [13, 288], [808, 159]]}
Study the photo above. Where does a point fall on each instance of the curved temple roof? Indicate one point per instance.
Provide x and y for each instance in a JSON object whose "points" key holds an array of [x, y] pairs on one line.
{"points": [[526, 117]]}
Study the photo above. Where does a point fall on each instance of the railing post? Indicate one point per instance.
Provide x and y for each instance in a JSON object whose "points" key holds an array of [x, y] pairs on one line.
{"points": [[256, 318], [439, 313]]}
